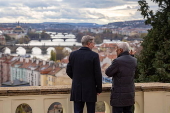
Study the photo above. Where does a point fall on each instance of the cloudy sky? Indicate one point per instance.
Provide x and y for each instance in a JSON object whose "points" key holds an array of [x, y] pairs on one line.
{"points": [[76, 11]]}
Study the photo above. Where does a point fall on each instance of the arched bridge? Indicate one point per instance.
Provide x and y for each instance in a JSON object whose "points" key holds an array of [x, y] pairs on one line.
{"points": [[61, 36], [54, 38], [28, 48]]}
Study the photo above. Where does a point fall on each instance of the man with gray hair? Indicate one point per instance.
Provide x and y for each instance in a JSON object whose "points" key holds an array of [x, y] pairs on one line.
{"points": [[122, 71], [84, 70]]}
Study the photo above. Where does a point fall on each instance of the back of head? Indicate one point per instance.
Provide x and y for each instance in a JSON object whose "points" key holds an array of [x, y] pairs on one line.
{"points": [[86, 39], [124, 46]]}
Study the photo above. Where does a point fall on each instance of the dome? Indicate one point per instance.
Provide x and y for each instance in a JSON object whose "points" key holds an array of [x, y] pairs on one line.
{"points": [[18, 29]]}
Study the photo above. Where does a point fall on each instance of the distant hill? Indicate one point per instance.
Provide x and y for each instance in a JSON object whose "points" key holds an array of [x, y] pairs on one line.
{"points": [[132, 24], [67, 25], [76, 24]]}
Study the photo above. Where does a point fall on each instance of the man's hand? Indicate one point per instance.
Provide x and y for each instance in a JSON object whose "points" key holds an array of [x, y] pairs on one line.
{"points": [[131, 52], [98, 93]]}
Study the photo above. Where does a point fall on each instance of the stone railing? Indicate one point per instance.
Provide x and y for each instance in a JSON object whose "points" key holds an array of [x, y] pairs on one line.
{"points": [[149, 98]]}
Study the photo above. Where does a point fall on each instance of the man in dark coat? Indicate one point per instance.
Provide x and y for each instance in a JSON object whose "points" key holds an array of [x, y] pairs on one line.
{"points": [[122, 71], [84, 70]]}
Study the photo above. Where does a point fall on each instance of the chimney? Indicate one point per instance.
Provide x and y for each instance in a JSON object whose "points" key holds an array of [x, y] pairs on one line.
{"points": [[37, 61], [26, 60], [12, 82], [21, 59], [32, 60], [54, 66], [8, 56], [57, 64], [49, 63], [44, 62], [21, 80]]}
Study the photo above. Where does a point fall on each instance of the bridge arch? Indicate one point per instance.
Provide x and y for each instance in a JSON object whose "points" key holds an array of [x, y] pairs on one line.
{"points": [[67, 50], [58, 40], [70, 36], [21, 50], [70, 40], [49, 50], [7, 50], [36, 50]]}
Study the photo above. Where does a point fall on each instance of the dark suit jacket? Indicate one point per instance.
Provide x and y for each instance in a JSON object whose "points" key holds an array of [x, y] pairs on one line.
{"points": [[84, 70], [122, 70]]}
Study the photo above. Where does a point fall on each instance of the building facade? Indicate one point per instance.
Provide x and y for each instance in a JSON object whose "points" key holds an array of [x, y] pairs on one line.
{"points": [[5, 64], [48, 75], [2, 40]]}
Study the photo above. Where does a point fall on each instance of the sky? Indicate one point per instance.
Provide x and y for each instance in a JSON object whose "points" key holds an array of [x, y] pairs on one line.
{"points": [[74, 11]]}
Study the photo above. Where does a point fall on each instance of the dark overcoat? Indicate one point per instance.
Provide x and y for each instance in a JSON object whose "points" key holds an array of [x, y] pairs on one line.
{"points": [[84, 70], [122, 70]]}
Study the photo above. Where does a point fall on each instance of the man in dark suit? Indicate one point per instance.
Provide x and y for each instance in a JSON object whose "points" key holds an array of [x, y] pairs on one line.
{"points": [[84, 70], [122, 71]]}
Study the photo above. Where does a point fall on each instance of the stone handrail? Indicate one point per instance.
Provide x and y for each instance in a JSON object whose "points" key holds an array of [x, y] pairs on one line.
{"points": [[65, 89]]}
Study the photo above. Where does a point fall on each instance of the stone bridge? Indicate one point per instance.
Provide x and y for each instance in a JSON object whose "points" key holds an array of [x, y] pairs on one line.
{"points": [[28, 48], [56, 38], [60, 38]]}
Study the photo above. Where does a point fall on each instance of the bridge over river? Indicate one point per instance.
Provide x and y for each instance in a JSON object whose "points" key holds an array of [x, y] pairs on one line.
{"points": [[64, 37], [28, 48]]}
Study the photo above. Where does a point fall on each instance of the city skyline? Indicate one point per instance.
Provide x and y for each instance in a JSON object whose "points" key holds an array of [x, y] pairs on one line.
{"points": [[84, 11]]}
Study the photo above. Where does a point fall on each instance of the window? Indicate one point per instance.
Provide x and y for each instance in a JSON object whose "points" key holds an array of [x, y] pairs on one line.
{"points": [[51, 79]]}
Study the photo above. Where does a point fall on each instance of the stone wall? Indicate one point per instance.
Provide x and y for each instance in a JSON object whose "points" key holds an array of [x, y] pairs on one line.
{"points": [[149, 98]]}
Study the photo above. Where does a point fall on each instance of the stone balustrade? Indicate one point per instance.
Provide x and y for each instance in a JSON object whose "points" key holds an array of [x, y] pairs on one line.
{"points": [[149, 98]]}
